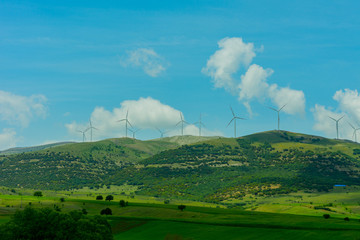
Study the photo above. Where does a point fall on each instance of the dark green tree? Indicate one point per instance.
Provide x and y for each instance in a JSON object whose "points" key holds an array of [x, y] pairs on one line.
{"points": [[45, 223], [100, 197], [109, 198], [106, 211], [38, 194], [181, 207], [122, 203]]}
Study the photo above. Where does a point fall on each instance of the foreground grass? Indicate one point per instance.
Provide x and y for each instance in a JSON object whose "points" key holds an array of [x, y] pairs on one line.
{"points": [[150, 218]]}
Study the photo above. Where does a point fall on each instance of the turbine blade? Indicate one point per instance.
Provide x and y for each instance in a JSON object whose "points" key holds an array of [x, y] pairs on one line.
{"points": [[282, 107], [232, 111], [240, 118], [178, 123], [332, 118], [129, 123], [351, 125], [272, 109], [341, 118], [230, 122]]}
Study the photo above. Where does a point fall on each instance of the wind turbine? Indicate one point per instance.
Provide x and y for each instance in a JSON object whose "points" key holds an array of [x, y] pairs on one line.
{"points": [[134, 131], [91, 128], [234, 118], [355, 129], [161, 132], [278, 114], [200, 124], [126, 122], [337, 125], [83, 133], [182, 124]]}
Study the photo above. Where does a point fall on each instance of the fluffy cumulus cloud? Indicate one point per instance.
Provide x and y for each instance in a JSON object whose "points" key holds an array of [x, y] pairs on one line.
{"points": [[19, 110], [147, 59], [8, 139], [348, 106], [226, 61], [349, 102], [145, 113], [235, 54]]}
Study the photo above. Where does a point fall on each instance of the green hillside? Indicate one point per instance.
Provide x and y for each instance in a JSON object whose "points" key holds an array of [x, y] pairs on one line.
{"points": [[187, 167], [18, 150], [77, 165]]}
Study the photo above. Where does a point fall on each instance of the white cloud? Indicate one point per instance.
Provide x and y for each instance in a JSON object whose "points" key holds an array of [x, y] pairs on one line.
{"points": [[233, 54], [19, 110], [328, 126], [146, 58], [294, 99], [145, 113], [8, 139], [252, 85], [348, 106], [349, 102]]}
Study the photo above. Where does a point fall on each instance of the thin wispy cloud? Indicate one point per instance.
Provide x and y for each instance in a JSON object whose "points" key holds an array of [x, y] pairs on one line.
{"points": [[147, 59], [20, 110], [8, 138], [235, 55]]}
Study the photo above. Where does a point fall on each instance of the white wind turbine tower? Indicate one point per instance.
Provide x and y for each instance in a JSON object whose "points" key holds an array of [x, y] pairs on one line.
{"points": [[91, 128], [278, 114], [337, 125], [83, 133], [354, 133], [200, 125], [162, 132], [234, 119], [134, 131], [182, 124], [126, 122]]}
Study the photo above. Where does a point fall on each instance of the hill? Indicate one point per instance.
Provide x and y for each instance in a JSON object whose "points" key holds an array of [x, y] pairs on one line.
{"points": [[76, 165], [198, 168], [17, 150]]}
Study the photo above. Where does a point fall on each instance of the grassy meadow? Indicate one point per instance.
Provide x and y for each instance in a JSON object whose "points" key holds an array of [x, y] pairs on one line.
{"points": [[282, 217]]}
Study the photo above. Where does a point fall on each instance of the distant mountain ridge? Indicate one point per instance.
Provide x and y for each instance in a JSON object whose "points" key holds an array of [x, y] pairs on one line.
{"points": [[17, 150]]}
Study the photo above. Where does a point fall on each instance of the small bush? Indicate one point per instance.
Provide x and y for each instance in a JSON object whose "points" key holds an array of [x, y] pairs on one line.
{"points": [[38, 194], [123, 203], [326, 216], [106, 211], [347, 219], [62, 199], [100, 197], [83, 211], [181, 207]]}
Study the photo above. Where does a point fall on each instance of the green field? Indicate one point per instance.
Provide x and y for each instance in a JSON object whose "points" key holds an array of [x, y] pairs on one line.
{"points": [[150, 218]]}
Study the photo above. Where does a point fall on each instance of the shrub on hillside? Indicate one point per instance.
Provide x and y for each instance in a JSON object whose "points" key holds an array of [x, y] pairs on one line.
{"points": [[100, 197], [122, 203], [326, 216], [106, 211], [109, 198], [181, 207]]}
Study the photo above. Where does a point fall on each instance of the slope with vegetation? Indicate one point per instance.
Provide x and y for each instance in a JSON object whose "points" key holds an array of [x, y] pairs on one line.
{"points": [[210, 169]]}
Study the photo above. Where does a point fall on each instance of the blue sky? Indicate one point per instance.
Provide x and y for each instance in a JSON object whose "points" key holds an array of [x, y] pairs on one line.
{"points": [[62, 63]]}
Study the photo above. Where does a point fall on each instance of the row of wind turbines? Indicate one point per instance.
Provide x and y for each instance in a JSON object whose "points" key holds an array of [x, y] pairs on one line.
{"points": [[200, 124]]}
